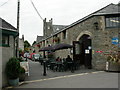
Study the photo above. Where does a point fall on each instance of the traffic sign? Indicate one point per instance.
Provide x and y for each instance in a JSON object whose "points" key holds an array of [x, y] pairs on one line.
{"points": [[115, 40]]}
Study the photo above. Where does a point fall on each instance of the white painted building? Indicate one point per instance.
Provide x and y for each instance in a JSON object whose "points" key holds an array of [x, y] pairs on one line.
{"points": [[8, 35]]}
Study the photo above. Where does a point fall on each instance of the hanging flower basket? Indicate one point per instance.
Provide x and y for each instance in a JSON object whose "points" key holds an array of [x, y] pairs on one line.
{"points": [[56, 39], [38, 45]]}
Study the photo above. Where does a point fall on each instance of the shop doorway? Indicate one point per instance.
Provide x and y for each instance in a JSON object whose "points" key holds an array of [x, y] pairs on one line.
{"points": [[82, 51]]}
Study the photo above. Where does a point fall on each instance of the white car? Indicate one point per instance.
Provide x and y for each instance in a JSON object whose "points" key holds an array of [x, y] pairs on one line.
{"points": [[26, 55], [36, 57]]}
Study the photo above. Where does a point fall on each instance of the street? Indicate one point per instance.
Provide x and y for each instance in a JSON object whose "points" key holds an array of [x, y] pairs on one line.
{"points": [[79, 79], [59, 44], [86, 80]]}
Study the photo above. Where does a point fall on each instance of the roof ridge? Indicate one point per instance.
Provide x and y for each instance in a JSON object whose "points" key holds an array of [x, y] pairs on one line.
{"points": [[89, 15], [12, 27], [80, 20]]}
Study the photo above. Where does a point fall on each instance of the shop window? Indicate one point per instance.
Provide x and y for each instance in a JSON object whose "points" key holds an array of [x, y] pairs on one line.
{"points": [[5, 40], [112, 22]]}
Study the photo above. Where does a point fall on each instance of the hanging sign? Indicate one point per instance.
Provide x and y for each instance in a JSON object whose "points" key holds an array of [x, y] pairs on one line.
{"points": [[89, 47], [99, 51]]}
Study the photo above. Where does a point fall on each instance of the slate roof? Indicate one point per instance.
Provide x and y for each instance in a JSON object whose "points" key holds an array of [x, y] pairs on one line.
{"points": [[56, 28], [39, 38], [109, 9], [6, 25]]}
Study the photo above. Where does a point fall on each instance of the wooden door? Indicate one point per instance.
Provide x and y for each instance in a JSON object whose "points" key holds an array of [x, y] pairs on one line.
{"points": [[78, 52]]}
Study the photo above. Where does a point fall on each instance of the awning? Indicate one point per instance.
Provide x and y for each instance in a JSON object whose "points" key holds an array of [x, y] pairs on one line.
{"points": [[49, 48], [56, 47], [62, 46]]}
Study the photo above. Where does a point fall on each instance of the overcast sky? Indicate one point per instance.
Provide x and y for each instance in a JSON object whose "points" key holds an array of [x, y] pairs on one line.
{"points": [[63, 12]]}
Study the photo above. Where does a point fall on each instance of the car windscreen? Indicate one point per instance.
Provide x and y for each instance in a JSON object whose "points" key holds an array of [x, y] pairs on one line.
{"points": [[37, 55]]}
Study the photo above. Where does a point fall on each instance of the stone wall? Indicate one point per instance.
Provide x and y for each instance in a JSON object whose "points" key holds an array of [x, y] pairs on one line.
{"points": [[101, 39], [100, 35], [0, 68], [47, 28]]}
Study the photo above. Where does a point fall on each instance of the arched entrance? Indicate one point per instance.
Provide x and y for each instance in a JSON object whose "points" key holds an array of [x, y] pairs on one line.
{"points": [[82, 51]]}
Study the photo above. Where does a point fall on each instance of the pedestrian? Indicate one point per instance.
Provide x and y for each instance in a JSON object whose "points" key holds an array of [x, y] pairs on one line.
{"points": [[58, 59], [70, 64], [69, 59]]}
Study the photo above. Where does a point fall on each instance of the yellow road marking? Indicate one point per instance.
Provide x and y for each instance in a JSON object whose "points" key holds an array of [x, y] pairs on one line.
{"points": [[67, 76], [61, 77]]}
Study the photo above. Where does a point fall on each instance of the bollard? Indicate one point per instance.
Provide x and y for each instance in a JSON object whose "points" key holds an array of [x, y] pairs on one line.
{"points": [[44, 65]]}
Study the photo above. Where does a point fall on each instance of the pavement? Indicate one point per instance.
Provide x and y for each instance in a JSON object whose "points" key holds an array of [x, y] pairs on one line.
{"points": [[36, 72], [79, 78]]}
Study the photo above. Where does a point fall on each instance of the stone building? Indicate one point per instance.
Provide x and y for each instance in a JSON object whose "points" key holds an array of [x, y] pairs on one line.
{"points": [[21, 43], [8, 35], [49, 28], [93, 37]]}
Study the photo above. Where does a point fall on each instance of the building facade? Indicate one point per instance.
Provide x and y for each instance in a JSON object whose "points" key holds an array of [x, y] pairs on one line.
{"points": [[8, 35], [93, 38], [21, 43]]}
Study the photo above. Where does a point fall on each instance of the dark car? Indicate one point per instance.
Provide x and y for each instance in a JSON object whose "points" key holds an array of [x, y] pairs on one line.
{"points": [[41, 59]]}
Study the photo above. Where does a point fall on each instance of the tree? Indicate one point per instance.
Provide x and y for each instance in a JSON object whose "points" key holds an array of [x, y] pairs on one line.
{"points": [[33, 43], [26, 45]]}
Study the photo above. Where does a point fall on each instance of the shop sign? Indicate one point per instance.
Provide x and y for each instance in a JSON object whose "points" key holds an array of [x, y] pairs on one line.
{"points": [[87, 51], [25, 65], [99, 51]]}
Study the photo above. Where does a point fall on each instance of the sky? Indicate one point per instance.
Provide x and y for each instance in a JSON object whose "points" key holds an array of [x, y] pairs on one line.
{"points": [[63, 12]]}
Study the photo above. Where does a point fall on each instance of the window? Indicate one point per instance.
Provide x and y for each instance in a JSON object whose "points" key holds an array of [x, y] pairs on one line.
{"points": [[47, 42], [43, 43], [96, 26], [64, 34], [113, 21], [48, 27], [5, 40], [57, 29]]}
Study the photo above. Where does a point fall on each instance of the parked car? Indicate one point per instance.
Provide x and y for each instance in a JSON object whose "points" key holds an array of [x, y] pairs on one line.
{"points": [[36, 57], [26, 55], [31, 56], [41, 59]]}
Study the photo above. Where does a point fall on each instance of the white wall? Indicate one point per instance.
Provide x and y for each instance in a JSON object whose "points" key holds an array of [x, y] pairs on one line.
{"points": [[7, 53], [0, 68]]}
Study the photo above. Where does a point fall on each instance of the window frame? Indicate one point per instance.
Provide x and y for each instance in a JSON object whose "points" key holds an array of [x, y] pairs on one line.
{"points": [[64, 34], [113, 24], [5, 44]]}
